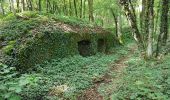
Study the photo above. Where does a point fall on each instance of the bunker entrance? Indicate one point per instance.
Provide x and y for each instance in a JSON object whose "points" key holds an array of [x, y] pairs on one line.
{"points": [[84, 48], [101, 45]]}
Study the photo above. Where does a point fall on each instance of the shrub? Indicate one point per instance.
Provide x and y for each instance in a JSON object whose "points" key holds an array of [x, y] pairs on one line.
{"points": [[10, 85]]}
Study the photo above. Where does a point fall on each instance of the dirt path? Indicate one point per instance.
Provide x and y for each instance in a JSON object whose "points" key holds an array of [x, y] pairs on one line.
{"points": [[116, 67]]}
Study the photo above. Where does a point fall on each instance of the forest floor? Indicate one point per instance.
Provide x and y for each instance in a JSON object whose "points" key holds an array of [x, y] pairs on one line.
{"points": [[109, 81]]}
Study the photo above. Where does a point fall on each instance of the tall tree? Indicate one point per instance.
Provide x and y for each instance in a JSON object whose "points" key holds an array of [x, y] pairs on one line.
{"points": [[81, 8], [84, 7], [18, 5], [70, 8], [23, 5], [2, 7], [90, 4], [150, 4], [162, 38], [39, 5], [75, 8], [132, 21]]}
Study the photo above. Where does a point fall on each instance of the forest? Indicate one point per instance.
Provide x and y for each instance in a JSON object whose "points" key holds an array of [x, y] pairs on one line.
{"points": [[84, 50]]}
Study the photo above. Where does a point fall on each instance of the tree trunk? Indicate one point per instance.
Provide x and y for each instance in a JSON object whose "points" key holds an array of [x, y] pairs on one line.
{"points": [[156, 27], [13, 8], [143, 18], [75, 8], [150, 27], [2, 7], [84, 7], [64, 7], [47, 6], [10, 5], [23, 5], [39, 5], [119, 28], [81, 8], [132, 21], [162, 38], [116, 22], [70, 8], [90, 4], [18, 3]]}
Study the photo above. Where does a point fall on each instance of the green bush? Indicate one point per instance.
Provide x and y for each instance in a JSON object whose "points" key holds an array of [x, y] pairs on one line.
{"points": [[10, 85]]}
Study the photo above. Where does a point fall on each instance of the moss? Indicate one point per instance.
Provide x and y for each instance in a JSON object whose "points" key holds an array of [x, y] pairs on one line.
{"points": [[8, 49]]}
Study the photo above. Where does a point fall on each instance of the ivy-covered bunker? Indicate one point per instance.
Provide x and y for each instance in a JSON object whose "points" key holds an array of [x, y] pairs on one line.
{"points": [[60, 44], [55, 39]]}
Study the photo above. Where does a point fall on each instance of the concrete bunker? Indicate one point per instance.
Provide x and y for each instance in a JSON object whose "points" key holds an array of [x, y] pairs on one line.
{"points": [[101, 45], [84, 48]]}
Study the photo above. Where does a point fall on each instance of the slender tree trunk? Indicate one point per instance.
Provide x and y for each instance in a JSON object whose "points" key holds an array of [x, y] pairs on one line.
{"points": [[151, 28], [162, 38], [84, 7], [70, 8], [132, 21], [156, 27], [81, 8], [133, 9], [18, 4], [10, 5], [119, 28], [116, 22], [27, 5], [47, 6], [39, 5], [13, 8], [90, 4], [64, 7], [2, 7], [75, 8], [143, 18], [23, 5], [54, 7], [50, 7], [31, 5]]}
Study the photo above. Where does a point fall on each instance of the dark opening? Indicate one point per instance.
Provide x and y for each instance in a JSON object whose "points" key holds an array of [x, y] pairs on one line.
{"points": [[101, 45], [84, 48]]}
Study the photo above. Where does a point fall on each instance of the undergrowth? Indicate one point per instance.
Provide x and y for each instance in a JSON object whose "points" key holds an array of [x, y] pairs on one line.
{"points": [[77, 73], [145, 80]]}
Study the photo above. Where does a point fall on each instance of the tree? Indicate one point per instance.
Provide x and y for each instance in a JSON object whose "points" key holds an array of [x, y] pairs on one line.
{"points": [[13, 8], [2, 7], [81, 8], [23, 5], [84, 7], [18, 5], [90, 4], [150, 27], [162, 38], [75, 8], [146, 23], [132, 21]]}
